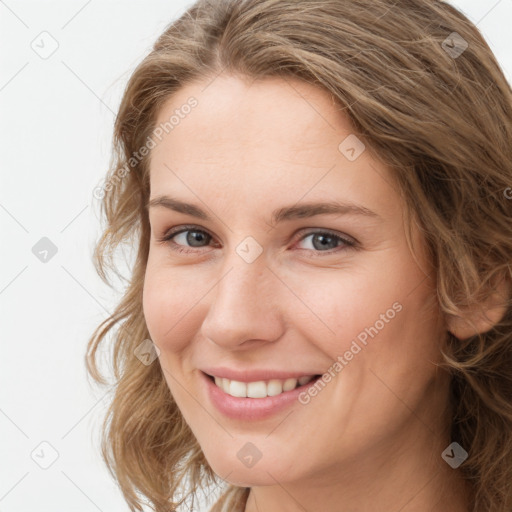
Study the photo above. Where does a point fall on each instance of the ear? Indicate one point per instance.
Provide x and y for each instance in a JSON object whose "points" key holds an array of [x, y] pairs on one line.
{"points": [[483, 316]]}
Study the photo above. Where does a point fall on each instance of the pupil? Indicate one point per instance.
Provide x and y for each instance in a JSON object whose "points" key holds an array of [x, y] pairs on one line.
{"points": [[195, 236], [324, 240]]}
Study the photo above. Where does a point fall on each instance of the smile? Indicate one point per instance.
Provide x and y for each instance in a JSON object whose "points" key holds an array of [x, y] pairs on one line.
{"points": [[253, 400], [260, 389]]}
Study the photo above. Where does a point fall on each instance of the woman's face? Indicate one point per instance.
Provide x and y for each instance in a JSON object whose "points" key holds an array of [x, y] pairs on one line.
{"points": [[269, 287]]}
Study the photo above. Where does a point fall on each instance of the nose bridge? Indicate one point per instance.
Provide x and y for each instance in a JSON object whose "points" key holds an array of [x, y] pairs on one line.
{"points": [[243, 304]]}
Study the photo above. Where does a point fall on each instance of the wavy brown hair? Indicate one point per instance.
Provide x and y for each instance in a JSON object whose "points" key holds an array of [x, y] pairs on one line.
{"points": [[441, 122]]}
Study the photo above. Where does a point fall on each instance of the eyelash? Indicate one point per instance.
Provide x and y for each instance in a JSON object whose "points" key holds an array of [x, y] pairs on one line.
{"points": [[167, 239]]}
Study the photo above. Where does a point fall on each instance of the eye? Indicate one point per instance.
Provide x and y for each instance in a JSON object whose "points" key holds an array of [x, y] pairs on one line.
{"points": [[186, 235], [185, 239], [321, 240]]}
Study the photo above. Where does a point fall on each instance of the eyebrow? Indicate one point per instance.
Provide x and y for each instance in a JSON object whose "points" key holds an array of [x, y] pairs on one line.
{"points": [[301, 211]]}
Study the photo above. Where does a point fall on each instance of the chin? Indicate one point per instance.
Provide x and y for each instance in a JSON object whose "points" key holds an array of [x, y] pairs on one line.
{"points": [[263, 472]]}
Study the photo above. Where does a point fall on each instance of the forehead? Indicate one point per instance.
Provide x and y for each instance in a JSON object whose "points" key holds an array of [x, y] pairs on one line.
{"points": [[262, 143], [245, 115]]}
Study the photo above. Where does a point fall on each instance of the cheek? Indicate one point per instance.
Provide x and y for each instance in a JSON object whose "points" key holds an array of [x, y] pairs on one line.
{"points": [[340, 306], [171, 305], [378, 311]]}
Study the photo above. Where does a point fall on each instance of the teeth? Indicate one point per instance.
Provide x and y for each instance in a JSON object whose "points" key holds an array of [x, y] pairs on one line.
{"points": [[289, 384], [256, 389], [259, 389], [237, 388], [274, 387]]}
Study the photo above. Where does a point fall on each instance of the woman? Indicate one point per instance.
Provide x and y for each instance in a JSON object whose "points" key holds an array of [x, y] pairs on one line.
{"points": [[319, 311]]}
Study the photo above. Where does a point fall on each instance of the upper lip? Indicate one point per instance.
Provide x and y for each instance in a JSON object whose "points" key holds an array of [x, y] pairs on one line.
{"points": [[254, 375]]}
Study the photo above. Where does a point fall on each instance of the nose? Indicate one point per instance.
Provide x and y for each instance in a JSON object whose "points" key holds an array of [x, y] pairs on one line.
{"points": [[245, 309]]}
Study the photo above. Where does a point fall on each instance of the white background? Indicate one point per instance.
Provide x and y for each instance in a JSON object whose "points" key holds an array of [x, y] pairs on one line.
{"points": [[56, 121]]}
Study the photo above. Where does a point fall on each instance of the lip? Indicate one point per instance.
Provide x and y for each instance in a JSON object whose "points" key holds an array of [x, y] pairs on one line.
{"points": [[254, 375], [250, 409]]}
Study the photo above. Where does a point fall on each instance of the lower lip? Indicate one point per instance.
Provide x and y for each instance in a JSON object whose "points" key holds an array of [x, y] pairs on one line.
{"points": [[251, 408]]}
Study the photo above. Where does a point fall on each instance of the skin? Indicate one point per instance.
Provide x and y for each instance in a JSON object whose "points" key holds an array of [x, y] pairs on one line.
{"points": [[372, 439]]}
